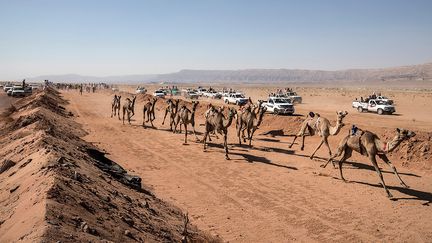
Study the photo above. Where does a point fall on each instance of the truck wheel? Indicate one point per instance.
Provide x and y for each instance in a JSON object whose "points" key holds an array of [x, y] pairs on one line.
{"points": [[360, 109], [226, 101], [276, 111], [380, 111]]}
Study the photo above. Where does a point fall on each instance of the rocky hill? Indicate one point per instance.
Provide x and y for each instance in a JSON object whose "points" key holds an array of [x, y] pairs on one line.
{"points": [[415, 72]]}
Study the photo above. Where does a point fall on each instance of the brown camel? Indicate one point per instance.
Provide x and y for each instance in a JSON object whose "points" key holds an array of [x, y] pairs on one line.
{"points": [[172, 109], [368, 144], [149, 111], [220, 124], [115, 106], [128, 108], [248, 121], [321, 126], [184, 117], [211, 111]]}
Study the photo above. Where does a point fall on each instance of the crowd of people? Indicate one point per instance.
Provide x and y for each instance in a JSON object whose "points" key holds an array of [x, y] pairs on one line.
{"points": [[280, 92], [373, 96]]}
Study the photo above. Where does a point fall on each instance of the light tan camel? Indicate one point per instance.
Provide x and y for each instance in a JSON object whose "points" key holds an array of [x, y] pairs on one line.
{"points": [[248, 121], [184, 117], [220, 124], [322, 127], [115, 106], [172, 108], [149, 111], [368, 144], [128, 108]]}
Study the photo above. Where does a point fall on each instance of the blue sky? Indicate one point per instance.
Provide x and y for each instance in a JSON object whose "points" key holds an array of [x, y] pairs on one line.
{"points": [[92, 37]]}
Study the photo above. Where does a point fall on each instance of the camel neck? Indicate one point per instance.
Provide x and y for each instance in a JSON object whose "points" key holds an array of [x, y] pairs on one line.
{"points": [[230, 118], [387, 147], [335, 130]]}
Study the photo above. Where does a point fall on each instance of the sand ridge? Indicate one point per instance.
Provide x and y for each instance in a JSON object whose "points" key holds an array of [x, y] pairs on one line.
{"points": [[57, 187]]}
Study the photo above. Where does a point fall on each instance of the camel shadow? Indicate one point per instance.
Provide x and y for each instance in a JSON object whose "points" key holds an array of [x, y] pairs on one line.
{"points": [[252, 158], [272, 149], [415, 194], [268, 140], [357, 165]]}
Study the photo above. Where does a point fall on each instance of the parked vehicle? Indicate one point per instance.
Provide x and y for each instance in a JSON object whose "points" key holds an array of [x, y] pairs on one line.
{"points": [[159, 93], [200, 91], [235, 98], [140, 90], [19, 91], [190, 94], [294, 97], [278, 106], [383, 98], [7, 87], [212, 94], [374, 105]]}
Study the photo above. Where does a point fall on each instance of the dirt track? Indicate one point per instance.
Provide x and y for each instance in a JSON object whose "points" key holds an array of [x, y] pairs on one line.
{"points": [[268, 193]]}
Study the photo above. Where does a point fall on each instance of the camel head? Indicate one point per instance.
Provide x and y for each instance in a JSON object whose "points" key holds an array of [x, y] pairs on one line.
{"points": [[404, 134], [194, 104], [340, 116], [232, 112]]}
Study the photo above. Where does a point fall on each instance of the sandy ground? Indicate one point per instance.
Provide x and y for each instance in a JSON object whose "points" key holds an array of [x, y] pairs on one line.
{"points": [[270, 193]]}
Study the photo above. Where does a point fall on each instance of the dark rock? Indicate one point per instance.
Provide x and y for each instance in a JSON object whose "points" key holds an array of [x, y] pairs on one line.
{"points": [[6, 165]]}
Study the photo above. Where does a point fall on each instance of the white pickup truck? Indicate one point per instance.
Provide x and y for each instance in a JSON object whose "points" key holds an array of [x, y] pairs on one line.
{"points": [[378, 106], [235, 98], [278, 106]]}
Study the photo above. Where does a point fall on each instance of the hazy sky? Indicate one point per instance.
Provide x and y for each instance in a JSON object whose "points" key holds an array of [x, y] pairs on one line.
{"points": [[93, 37]]}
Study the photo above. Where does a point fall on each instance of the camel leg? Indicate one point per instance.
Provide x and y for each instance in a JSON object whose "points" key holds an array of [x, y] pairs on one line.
{"points": [[186, 132], [387, 161], [249, 136], [295, 137], [346, 155], [374, 163], [319, 146], [166, 112], [194, 132], [339, 152], [226, 146], [242, 133], [143, 124], [238, 127], [112, 111], [302, 145], [205, 139], [123, 116], [148, 116], [328, 146], [151, 122]]}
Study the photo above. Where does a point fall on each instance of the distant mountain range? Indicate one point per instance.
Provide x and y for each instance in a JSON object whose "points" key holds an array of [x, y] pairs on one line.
{"points": [[414, 72]]}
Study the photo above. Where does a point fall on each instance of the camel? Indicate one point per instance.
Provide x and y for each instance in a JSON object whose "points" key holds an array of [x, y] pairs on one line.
{"points": [[321, 126], [171, 108], [115, 106], [185, 116], [128, 108], [368, 144], [218, 123], [212, 110], [149, 110], [247, 120]]}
